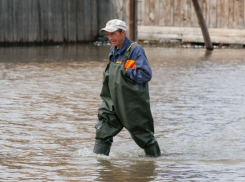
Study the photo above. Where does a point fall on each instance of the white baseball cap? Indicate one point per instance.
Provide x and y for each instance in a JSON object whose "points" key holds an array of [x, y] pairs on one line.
{"points": [[114, 25]]}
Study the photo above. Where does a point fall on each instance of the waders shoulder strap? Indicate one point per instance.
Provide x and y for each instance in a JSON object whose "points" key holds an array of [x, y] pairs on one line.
{"points": [[125, 56], [111, 53], [131, 46]]}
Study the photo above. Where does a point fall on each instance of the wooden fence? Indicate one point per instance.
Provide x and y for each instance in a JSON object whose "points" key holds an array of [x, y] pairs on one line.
{"points": [[80, 20], [229, 14], [176, 19], [24, 21]]}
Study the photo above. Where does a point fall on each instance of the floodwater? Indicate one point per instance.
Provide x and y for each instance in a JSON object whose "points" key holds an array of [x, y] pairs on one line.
{"points": [[49, 98]]}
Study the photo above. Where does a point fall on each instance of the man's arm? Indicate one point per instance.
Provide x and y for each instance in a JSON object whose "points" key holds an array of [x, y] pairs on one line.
{"points": [[142, 71]]}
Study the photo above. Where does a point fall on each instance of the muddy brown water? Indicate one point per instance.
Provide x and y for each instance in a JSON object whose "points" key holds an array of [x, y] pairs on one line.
{"points": [[49, 98]]}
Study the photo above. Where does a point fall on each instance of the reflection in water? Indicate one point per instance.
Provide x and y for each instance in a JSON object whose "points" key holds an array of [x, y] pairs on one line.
{"points": [[126, 170], [49, 98], [207, 55]]}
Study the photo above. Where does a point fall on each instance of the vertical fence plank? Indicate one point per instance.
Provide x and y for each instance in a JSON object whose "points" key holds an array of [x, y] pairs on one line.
{"points": [[80, 22], [222, 13], [65, 21], [207, 18], [183, 16], [28, 30], [12, 25], [32, 21], [194, 20], [71, 11], [50, 18], [87, 20], [188, 13], [244, 15], [38, 28], [126, 3], [4, 16], [147, 12], [183, 13], [213, 14], [241, 14], [19, 16], [156, 12], [139, 13], [226, 14], [15, 38], [54, 4], [5, 23], [231, 13], [84, 19], [162, 12], [177, 5], [143, 12], [123, 7], [8, 21], [238, 14], [44, 18], [169, 17], [93, 17], [171, 20], [58, 21], [25, 20], [34, 29], [2, 21], [220, 10], [152, 12]]}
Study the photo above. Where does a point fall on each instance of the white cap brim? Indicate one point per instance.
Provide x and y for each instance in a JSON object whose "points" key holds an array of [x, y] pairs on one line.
{"points": [[108, 29]]}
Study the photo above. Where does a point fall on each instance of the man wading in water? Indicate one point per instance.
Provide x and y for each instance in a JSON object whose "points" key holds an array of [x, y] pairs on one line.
{"points": [[125, 94]]}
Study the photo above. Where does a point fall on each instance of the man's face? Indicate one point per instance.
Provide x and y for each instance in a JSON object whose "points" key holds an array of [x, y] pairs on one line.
{"points": [[116, 38]]}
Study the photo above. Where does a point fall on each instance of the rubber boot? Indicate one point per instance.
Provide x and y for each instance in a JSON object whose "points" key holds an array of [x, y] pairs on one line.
{"points": [[153, 150], [102, 148]]}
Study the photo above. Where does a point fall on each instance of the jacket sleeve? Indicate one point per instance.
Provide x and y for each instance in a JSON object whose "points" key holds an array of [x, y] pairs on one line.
{"points": [[143, 72]]}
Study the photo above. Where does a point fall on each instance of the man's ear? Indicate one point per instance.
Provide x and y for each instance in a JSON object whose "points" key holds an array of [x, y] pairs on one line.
{"points": [[124, 32]]}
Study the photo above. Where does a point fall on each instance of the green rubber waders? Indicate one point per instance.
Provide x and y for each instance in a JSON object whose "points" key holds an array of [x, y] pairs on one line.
{"points": [[153, 150], [102, 148]]}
